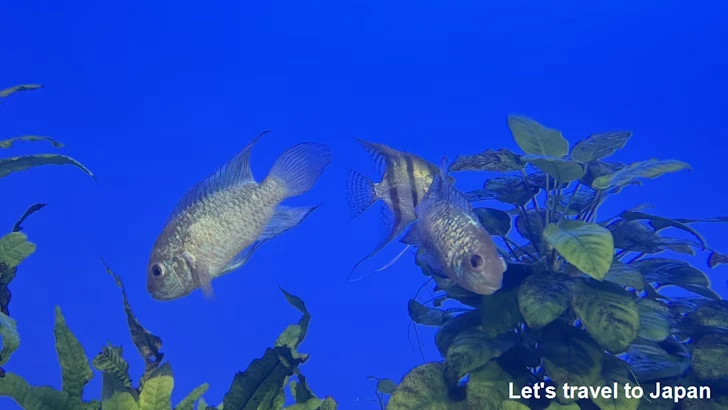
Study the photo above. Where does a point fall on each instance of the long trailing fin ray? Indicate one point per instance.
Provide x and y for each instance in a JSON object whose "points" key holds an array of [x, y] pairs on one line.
{"points": [[360, 192], [412, 237], [234, 172], [299, 167], [285, 218], [388, 264], [241, 259], [382, 155]]}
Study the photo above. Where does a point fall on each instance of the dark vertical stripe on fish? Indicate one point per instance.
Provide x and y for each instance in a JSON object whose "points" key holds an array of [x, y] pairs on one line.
{"points": [[412, 182], [394, 197]]}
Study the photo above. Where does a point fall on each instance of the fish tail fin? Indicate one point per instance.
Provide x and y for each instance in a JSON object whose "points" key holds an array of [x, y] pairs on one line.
{"points": [[299, 167], [360, 193]]}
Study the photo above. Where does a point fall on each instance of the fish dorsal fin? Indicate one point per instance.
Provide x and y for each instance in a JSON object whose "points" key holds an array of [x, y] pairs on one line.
{"points": [[442, 188], [233, 173], [382, 155]]}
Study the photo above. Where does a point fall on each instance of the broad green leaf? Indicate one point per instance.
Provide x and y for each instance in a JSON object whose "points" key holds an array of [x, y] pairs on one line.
{"points": [[487, 386], [454, 291], [120, 401], [14, 248], [600, 145], [634, 236], [18, 88], [427, 316], [656, 320], [38, 398], [156, 393], [10, 337], [75, 367], [596, 169], [472, 349], [424, 388], [562, 170], [556, 406], [578, 203], [385, 386], [111, 361], [625, 275], [262, 376], [510, 189], [533, 138], [617, 371], [500, 312], [495, 221], [649, 361], [9, 142], [651, 168], [711, 314], [452, 328], [543, 297], [570, 355], [665, 222], [608, 312], [502, 160], [670, 272], [708, 360], [585, 245], [513, 405], [188, 402], [17, 164]]}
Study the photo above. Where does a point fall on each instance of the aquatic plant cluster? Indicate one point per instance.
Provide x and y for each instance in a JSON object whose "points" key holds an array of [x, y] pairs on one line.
{"points": [[581, 302]]}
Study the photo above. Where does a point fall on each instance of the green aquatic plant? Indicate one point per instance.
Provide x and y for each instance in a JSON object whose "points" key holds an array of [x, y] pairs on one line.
{"points": [[262, 386], [582, 301]]}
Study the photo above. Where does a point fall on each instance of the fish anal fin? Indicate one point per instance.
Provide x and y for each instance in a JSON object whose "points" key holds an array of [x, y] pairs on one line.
{"points": [[233, 173], [412, 237], [285, 218]]}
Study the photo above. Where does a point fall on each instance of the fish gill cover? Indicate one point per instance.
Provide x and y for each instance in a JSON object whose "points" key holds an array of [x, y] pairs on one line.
{"points": [[261, 386], [581, 302]]}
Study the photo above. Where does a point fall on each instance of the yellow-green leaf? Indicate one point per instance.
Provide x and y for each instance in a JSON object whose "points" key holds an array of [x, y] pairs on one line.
{"points": [[502, 160], [18, 88], [608, 312], [157, 390], [472, 349], [655, 320], [14, 248], [614, 370], [487, 386], [585, 245], [75, 368], [651, 168], [562, 170], [600, 145], [188, 402], [111, 361], [625, 275], [9, 142], [708, 358], [17, 164], [544, 296], [10, 337], [513, 405], [533, 138], [424, 388], [38, 398], [556, 406], [120, 401], [570, 355]]}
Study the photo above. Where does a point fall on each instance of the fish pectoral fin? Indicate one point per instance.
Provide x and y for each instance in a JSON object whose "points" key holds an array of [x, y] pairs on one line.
{"points": [[241, 259], [412, 237], [429, 259], [283, 219], [201, 274]]}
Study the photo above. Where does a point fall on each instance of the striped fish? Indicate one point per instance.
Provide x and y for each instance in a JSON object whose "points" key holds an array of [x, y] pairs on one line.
{"points": [[406, 178]]}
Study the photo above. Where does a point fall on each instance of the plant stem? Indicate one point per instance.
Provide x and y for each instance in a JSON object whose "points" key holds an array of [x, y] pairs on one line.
{"points": [[528, 227], [528, 187], [571, 199], [510, 242]]}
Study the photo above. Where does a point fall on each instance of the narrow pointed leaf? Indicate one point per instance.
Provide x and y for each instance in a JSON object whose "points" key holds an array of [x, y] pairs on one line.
{"points": [[585, 245], [22, 163], [501, 160], [665, 222], [157, 390], [19, 88], [30, 138], [32, 209], [650, 361], [533, 138], [599, 146], [188, 402], [608, 312], [427, 316], [75, 367], [651, 168], [716, 259], [671, 272], [562, 170], [303, 323], [111, 361]]}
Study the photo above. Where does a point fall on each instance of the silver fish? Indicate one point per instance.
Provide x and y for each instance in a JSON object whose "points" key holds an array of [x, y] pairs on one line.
{"points": [[406, 178], [451, 240], [223, 219]]}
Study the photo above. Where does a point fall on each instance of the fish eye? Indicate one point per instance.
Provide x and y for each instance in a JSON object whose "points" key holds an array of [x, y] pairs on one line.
{"points": [[157, 270], [476, 261]]}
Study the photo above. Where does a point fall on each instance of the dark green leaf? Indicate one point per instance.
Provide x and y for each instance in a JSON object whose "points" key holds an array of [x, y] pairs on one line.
{"points": [[472, 349], [671, 272], [10, 337], [570, 355], [600, 145], [75, 369], [32, 209], [543, 297], [651, 168], [17, 164], [294, 334], [596, 169], [562, 170], [112, 362], [427, 316], [424, 388], [650, 361], [9, 142], [709, 355], [625, 275], [18, 88], [510, 189], [583, 199], [531, 225], [540, 179], [637, 237], [480, 195], [712, 313], [495, 221], [500, 312], [385, 386], [630, 215], [487, 386], [453, 327], [455, 291], [614, 370], [608, 312], [262, 376], [716, 259], [501, 160], [656, 320], [533, 138]]}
